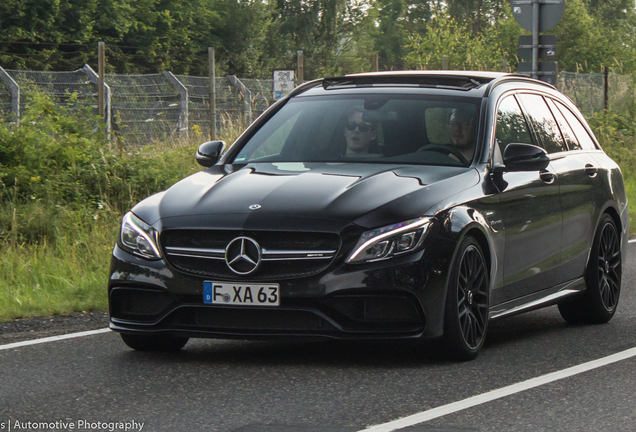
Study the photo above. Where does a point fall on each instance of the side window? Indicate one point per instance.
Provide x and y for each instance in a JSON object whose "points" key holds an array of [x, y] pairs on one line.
{"points": [[511, 125], [583, 137], [544, 124], [570, 138]]}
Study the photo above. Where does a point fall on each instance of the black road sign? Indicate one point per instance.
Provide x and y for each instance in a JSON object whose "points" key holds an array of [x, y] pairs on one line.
{"points": [[550, 12], [547, 70], [547, 46]]}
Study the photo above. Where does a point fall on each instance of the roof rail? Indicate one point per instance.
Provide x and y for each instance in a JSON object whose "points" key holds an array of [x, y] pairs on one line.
{"points": [[517, 77], [428, 80]]}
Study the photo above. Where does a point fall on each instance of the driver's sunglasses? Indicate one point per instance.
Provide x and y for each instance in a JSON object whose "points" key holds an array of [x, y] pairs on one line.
{"points": [[362, 127]]}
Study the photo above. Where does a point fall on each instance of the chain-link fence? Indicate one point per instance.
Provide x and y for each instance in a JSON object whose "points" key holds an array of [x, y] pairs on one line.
{"points": [[144, 107], [149, 107], [67, 88], [587, 91]]}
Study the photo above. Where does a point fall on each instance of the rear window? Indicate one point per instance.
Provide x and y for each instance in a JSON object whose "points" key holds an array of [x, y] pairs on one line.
{"points": [[579, 130], [371, 128], [543, 123]]}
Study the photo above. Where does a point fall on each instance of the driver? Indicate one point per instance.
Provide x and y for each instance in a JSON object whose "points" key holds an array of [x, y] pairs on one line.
{"points": [[461, 130]]}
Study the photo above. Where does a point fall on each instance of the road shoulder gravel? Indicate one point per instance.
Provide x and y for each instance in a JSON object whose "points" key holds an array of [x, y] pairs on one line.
{"points": [[36, 328]]}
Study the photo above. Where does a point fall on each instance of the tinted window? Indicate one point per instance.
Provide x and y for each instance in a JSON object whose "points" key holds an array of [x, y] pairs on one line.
{"points": [[544, 124], [583, 137], [413, 129], [511, 125], [570, 138]]}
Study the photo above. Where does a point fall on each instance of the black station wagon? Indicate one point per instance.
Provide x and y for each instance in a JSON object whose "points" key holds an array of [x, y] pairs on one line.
{"points": [[396, 205]]}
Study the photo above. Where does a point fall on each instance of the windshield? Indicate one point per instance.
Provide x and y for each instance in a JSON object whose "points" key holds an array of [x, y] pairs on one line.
{"points": [[420, 129]]}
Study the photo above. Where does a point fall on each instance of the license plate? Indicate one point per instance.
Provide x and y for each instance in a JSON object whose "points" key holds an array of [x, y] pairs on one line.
{"points": [[243, 294]]}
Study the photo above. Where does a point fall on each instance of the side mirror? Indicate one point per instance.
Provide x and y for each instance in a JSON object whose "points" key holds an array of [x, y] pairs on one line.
{"points": [[524, 157], [209, 152]]}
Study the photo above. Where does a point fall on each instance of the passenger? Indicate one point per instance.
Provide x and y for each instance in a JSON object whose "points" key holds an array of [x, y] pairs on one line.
{"points": [[461, 129], [360, 135]]}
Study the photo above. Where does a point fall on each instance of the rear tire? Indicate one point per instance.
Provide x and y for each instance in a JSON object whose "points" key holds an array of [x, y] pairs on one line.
{"points": [[602, 277], [146, 342], [467, 303]]}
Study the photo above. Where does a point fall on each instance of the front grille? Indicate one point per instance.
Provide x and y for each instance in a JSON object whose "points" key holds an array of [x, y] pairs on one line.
{"points": [[284, 254]]}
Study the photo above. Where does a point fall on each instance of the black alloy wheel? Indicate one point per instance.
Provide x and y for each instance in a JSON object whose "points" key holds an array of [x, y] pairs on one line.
{"points": [[603, 279], [467, 302], [145, 342]]}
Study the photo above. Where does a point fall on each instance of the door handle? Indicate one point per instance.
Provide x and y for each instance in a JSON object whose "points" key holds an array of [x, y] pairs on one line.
{"points": [[591, 170], [547, 177]]}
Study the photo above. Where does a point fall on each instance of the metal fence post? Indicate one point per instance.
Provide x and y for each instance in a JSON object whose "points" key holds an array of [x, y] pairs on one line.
{"points": [[247, 96], [15, 94], [106, 110], [183, 93], [444, 65]]}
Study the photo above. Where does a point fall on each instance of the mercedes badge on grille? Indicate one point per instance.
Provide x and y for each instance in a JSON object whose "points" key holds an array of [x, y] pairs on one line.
{"points": [[243, 255]]}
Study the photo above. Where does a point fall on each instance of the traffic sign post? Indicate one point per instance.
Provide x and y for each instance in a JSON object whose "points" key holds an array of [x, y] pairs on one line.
{"points": [[547, 71], [547, 46], [537, 16]]}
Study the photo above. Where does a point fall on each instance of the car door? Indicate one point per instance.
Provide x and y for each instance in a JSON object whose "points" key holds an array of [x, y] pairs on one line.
{"points": [[531, 211], [580, 191]]}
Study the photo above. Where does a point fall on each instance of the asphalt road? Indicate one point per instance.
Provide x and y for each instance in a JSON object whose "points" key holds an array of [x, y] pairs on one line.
{"points": [[329, 387]]}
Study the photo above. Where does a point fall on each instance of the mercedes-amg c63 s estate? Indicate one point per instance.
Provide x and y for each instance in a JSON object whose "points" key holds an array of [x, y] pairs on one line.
{"points": [[396, 205]]}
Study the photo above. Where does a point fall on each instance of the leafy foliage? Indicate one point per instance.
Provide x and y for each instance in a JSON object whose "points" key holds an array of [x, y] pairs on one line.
{"points": [[53, 163], [252, 37]]}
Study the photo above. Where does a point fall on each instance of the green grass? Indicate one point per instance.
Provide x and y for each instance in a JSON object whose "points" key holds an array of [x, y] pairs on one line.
{"points": [[67, 276], [630, 191]]}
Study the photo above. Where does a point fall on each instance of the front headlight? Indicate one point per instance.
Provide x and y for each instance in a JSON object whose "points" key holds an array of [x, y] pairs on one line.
{"points": [[389, 241], [138, 237]]}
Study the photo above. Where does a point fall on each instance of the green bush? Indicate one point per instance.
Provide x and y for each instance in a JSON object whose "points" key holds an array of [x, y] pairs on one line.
{"points": [[63, 190], [56, 161], [616, 133]]}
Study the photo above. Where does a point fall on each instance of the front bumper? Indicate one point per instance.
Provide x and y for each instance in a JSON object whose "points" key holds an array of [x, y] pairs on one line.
{"points": [[400, 298]]}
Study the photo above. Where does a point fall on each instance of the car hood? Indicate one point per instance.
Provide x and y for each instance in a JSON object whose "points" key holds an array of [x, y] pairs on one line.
{"points": [[332, 195]]}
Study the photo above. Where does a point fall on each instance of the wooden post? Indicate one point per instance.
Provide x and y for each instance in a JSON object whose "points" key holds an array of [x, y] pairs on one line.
{"points": [[212, 95], [301, 68], [605, 87], [376, 66], [101, 71]]}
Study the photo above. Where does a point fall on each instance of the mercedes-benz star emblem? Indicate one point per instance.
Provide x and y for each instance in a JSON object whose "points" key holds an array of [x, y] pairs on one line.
{"points": [[243, 255], [254, 207]]}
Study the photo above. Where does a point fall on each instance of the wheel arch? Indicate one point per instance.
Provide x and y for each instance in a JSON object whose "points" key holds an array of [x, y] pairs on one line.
{"points": [[473, 223]]}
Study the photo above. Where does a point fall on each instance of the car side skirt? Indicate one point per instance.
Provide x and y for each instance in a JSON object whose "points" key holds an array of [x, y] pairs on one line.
{"points": [[544, 298]]}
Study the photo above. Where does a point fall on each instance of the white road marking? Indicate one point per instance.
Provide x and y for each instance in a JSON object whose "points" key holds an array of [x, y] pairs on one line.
{"points": [[53, 339], [631, 241], [499, 393]]}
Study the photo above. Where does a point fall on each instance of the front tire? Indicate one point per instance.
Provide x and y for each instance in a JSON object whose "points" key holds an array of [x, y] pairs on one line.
{"points": [[602, 277], [145, 342], [467, 302]]}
